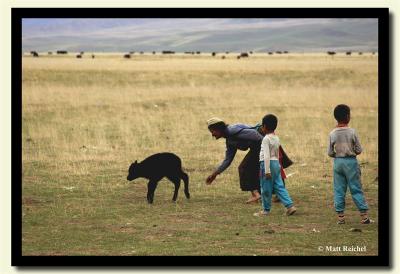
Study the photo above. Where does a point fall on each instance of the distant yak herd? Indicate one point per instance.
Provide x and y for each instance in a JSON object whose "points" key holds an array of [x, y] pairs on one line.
{"points": [[241, 55], [332, 53]]}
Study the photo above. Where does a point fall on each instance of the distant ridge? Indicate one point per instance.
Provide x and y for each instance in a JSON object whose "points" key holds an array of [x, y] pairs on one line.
{"points": [[207, 35]]}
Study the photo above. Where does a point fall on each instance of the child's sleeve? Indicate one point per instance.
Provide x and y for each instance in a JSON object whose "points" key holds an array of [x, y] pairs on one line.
{"points": [[357, 145], [265, 144], [331, 147]]}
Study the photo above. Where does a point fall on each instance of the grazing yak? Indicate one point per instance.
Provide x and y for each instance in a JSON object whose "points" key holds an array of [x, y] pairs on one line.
{"points": [[244, 55], [92, 56], [270, 52], [348, 53], [213, 53], [79, 56], [156, 167], [34, 54], [331, 53], [62, 52], [127, 56], [168, 52]]}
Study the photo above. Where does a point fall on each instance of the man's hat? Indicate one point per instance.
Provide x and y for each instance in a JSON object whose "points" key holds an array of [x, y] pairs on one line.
{"points": [[213, 121]]}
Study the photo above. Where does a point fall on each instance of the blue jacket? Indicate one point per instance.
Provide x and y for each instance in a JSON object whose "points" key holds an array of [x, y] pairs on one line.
{"points": [[238, 136]]}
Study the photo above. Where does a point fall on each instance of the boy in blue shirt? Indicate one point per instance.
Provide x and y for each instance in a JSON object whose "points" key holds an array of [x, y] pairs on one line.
{"points": [[344, 146]]}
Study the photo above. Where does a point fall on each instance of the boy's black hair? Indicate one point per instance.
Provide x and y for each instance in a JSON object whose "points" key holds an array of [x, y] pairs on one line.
{"points": [[220, 126], [270, 121], [341, 113]]}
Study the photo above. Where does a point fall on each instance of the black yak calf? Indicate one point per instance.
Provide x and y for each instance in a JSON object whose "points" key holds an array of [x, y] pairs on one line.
{"points": [[156, 167]]}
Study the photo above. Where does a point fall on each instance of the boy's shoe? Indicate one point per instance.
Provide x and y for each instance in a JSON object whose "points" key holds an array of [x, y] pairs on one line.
{"points": [[341, 220], [364, 218], [291, 210], [261, 213], [366, 221]]}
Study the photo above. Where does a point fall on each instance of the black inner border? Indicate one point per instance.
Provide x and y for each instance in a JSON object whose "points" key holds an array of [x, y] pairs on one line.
{"points": [[383, 258]]}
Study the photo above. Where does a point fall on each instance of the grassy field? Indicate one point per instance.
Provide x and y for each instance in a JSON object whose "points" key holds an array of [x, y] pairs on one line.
{"points": [[85, 120]]}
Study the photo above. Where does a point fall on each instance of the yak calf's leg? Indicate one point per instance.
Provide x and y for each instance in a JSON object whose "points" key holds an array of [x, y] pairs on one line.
{"points": [[177, 183], [151, 187], [185, 179]]}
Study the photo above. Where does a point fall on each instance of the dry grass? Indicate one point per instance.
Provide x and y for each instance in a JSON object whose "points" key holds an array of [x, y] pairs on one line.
{"points": [[85, 120]]}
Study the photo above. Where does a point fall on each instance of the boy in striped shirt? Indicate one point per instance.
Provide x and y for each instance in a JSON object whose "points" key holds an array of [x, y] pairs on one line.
{"points": [[344, 146]]}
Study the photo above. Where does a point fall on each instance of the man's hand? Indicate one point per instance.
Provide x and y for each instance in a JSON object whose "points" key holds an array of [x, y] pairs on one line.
{"points": [[211, 178], [268, 175]]}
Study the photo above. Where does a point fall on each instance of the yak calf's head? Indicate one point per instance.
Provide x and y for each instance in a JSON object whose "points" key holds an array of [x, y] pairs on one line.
{"points": [[133, 171]]}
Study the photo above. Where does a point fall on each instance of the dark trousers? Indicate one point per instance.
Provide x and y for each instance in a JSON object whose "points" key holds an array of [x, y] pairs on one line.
{"points": [[249, 170]]}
